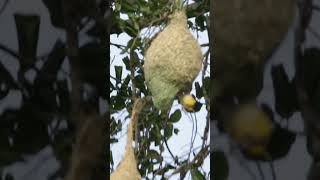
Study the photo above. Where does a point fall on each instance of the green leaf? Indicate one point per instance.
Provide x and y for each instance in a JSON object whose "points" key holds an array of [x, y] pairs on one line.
{"points": [[168, 130], [281, 142], [196, 174], [139, 81], [113, 140], [118, 7], [154, 155], [135, 59], [111, 159], [126, 27], [118, 70], [175, 117], [145, 9], [284, 91], [55, 12], [157, 135], [128, 8], [200, 21], [176, 131], [117, 102], [199, 92], [126, 62], [190, 24], [219, 165], [206, 84], [126, 81]]}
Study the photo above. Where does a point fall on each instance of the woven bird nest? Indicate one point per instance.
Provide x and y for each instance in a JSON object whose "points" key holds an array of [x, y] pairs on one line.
{"points": [[245, 33], [173, 60], [127, 168]]}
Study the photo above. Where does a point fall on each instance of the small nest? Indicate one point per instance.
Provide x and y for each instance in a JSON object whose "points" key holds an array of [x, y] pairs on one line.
{"points": [[127, 168], [173, 60]]}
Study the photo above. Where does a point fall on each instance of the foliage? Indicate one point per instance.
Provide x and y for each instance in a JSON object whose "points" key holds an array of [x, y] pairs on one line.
{"points": [[45, 104], [154, 127]]}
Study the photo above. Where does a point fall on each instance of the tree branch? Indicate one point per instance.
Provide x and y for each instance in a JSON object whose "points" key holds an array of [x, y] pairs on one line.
{"points": [[197, 161], [9, 51]]}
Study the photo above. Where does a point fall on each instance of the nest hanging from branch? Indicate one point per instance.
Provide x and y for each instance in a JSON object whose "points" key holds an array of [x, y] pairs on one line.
{"points": [[245, 34], [127, 168], [173, 60]]}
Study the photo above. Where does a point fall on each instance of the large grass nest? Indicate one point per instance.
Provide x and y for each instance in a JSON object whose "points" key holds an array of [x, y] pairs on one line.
{"points": [[173, 60], [245, 34]]}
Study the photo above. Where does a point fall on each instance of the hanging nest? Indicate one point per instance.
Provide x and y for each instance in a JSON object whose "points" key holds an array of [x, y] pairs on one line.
{"points": [[245, 33], [127, 168], [173, 60]]}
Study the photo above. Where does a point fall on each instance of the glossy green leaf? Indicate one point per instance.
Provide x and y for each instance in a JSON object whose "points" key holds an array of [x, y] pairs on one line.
{"points": [[196, 174], [199, 92], [200, 21], [219, 165], [126, 62], [175, 117], [118, 70], [168, 130], [155, 155]]}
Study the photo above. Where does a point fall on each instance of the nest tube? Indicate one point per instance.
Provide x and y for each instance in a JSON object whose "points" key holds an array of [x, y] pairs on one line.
{"points": [[127, 168]]}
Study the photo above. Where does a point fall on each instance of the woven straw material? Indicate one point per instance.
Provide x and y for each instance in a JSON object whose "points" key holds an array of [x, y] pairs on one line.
{"points": [[173, 60], [246, 32], [127, 168]]}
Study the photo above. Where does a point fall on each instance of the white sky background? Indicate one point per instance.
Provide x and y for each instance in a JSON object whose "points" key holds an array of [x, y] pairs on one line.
{"points": [[296, 163], [179, 144]]}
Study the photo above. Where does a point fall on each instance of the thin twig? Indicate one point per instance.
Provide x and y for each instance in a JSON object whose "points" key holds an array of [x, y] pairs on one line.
{"points": [[193, 135], [273, 172], [197, 161], [260, 170], [166, 143], [132, 68], [120, 46], [206, 130], [314, 33], [9, 51], [4, 6]]}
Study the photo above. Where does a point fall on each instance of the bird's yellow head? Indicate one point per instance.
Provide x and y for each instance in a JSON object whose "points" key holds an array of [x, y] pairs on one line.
{"points": [[188, 102], [251, 128]]}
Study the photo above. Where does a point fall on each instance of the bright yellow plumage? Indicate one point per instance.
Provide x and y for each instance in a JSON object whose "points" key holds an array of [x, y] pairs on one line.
{"points": [[188, 102], [251, 129]]}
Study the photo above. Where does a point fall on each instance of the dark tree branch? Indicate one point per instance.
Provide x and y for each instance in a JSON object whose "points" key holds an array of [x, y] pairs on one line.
{"points": [[309, 114], [197, 161], [9, 51]]}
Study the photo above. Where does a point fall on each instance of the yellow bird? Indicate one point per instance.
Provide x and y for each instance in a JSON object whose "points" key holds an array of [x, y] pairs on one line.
{"points": [[251, 128], [189, 103]]}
